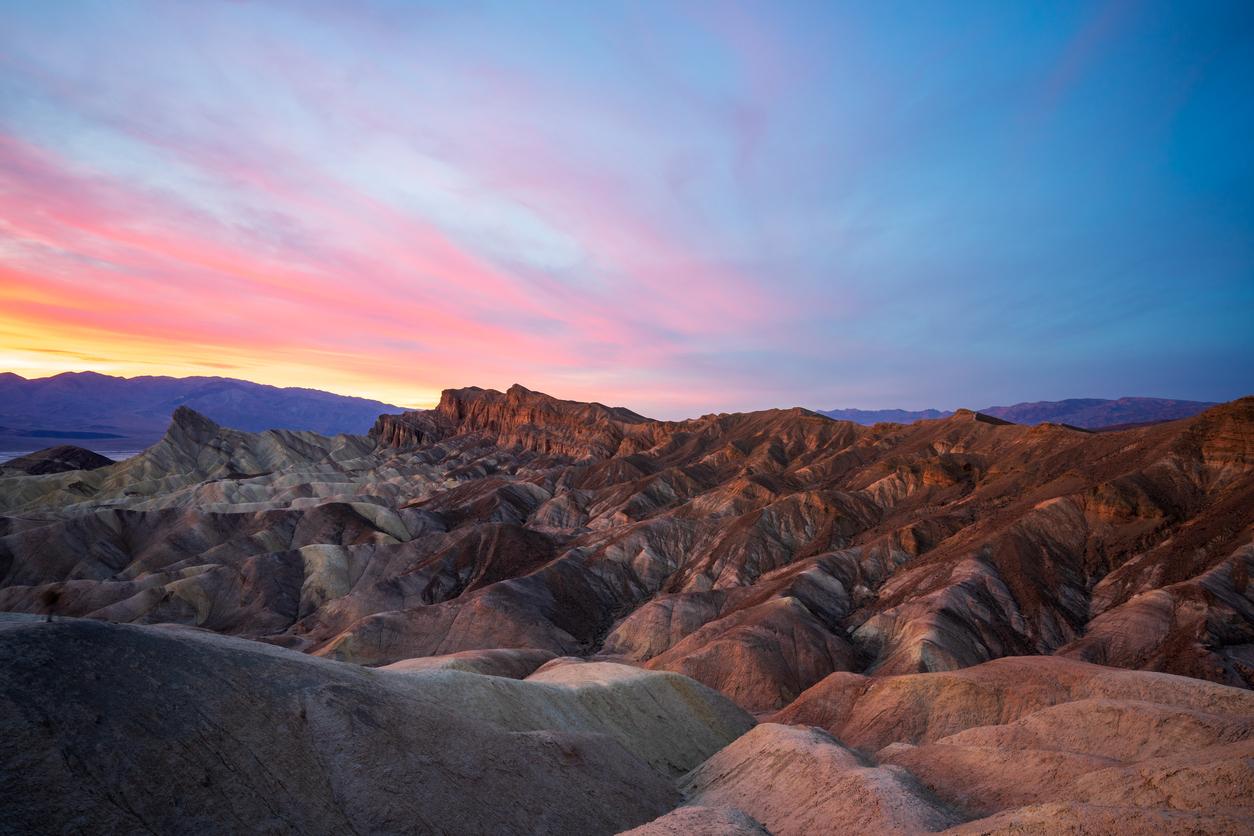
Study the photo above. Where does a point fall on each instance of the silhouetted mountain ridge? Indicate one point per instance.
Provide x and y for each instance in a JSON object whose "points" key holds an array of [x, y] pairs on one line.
{"points": [[129, 413], [1085, 413]]}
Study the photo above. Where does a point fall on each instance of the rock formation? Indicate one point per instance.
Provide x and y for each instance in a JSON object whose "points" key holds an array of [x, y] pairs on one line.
{"points": [[928, 596], [518, 418], [755, 552]]}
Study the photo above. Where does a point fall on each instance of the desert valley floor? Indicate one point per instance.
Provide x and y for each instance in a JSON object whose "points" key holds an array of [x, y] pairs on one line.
{"points": [[514, 614]]}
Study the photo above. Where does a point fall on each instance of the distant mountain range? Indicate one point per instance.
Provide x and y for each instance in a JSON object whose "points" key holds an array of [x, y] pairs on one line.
{"points": [[115, 414], [867, 417], [109, 413], [1087, 413]]}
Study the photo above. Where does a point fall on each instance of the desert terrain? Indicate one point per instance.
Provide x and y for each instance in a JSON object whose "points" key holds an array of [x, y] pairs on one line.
{"points": [[517, 614]]}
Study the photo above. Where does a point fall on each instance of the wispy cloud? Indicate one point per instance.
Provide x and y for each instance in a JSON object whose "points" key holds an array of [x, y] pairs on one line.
{"points": [[677, 207]]}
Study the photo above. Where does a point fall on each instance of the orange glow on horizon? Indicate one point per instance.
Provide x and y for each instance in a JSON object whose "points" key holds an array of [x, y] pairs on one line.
{"points": [[36, 350], [101, 274], [31, 366]]}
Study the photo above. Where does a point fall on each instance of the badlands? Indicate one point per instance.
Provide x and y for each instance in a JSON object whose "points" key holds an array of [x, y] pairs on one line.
{"points": [[515, 614]]}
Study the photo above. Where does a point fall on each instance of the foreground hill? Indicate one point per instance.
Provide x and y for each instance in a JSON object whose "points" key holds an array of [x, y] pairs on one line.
{"points": [[111, 729], [117, 413], [1086, 413], [755, 552], [117, 729]]}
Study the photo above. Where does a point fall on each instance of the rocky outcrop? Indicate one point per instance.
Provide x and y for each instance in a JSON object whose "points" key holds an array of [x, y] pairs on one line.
{"points": [[520, 418], [408, 430]]}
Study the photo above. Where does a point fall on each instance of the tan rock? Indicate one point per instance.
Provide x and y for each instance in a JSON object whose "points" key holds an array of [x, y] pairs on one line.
{"points": [[797, 780]]}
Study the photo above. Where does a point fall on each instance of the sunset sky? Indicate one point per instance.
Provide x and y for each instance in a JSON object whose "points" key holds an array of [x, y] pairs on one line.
{"points": [[681, 208]]}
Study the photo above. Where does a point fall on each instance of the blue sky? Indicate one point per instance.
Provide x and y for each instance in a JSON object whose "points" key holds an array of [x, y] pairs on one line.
{"points": [[678, 207]]}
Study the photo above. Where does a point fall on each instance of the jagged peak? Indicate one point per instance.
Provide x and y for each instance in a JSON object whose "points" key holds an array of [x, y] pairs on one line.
{"points": [[186, 424], [185, 416]]}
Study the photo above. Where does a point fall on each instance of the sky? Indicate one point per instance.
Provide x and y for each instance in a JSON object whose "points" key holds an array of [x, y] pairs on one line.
{"points": [[680, 208]]}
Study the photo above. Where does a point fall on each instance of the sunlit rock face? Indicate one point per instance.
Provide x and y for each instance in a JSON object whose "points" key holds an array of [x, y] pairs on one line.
{"points": [[755, 552]]}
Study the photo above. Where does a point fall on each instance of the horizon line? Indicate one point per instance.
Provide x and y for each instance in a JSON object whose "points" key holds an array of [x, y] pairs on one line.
{"points": [[431, 404]]}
